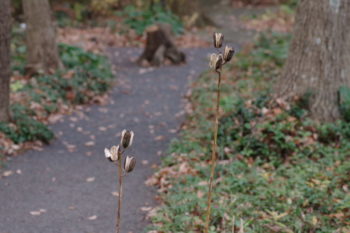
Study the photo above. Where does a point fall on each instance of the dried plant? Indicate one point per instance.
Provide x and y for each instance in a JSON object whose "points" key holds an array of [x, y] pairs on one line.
{"points": [[217, 60], [115, 155]]}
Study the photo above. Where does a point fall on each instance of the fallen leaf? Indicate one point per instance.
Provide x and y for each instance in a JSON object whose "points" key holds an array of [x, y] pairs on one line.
{"points": [[103, 110], [146, 208], [90, 143], [70, 147], [74, 119], [7, 173], [116, 194], [152, 212], [151, 181], [88, 153], [35, 213], [102, 128], [174, 87], [90, 179], [159, 138], [172, 130], [54, 118], [93, 217]]}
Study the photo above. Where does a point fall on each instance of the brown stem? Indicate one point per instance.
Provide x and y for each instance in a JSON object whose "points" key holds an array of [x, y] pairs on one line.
{"points": [[213, 154], [120, 192]]}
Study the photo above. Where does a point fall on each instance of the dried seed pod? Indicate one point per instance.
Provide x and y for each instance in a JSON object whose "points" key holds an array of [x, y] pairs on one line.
{"points": [[228, 53], [129, 164], [112, 154], [216, 61], [108, 154], [212, 60], [127, 138], [115, 151], [218, 39]]}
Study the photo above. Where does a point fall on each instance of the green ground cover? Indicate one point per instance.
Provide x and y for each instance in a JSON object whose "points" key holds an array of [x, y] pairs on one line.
{"points": [[278, 170], [34, 99]]}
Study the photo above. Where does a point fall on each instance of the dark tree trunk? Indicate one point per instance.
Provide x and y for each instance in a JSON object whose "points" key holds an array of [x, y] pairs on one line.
{"points": [[319, 56], [41, 37], [5, 71], [159, 47]]}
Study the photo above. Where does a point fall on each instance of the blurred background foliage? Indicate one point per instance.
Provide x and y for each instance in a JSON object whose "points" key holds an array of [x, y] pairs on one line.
{"points": [[85, 9], [138, 13]]}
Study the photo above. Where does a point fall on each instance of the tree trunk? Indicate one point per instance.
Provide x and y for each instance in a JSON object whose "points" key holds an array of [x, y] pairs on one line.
{"points": [[319, 57], [5, 71], [41, 37], [160, 46]]}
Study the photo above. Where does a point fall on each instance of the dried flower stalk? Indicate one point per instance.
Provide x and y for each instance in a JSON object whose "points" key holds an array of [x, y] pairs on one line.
{"points": [[216, 62], [115, 154]]}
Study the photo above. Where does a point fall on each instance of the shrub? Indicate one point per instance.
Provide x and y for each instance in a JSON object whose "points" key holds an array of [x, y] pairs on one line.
{"points": [[24, 127]]}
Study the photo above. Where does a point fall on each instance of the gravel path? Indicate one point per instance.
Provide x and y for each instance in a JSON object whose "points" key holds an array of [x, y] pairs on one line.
{"points": [[68, 186]]}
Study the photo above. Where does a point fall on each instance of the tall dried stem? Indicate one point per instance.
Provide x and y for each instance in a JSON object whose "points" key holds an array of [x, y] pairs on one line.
{"points": [[120, 192], [213, 153], [115, 155]]}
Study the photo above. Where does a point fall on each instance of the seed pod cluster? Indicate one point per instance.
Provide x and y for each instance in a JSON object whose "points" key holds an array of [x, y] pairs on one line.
{"points": [[115, 153], [219, 59]]}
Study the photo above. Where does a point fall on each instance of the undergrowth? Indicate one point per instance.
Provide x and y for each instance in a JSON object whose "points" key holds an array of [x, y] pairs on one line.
{"points": [[279, 171], [33, 100]]}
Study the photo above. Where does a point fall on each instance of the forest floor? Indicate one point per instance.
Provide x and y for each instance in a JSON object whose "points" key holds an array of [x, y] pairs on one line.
{"points": [[68, 186]]}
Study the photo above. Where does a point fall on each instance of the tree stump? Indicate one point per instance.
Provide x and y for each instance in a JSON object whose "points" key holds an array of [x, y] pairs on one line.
{"points": [[160, 47]]}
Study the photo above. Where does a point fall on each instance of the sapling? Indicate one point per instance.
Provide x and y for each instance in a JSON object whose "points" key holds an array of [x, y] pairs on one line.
{"points": [[115, 154], [217, 60]]}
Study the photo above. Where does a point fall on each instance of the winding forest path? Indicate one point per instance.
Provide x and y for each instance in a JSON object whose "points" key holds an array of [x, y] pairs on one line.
{"points": [[68, 186]]}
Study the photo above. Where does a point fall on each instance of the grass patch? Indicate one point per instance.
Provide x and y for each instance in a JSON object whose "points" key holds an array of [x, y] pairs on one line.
{"points": [[278, 171]]}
